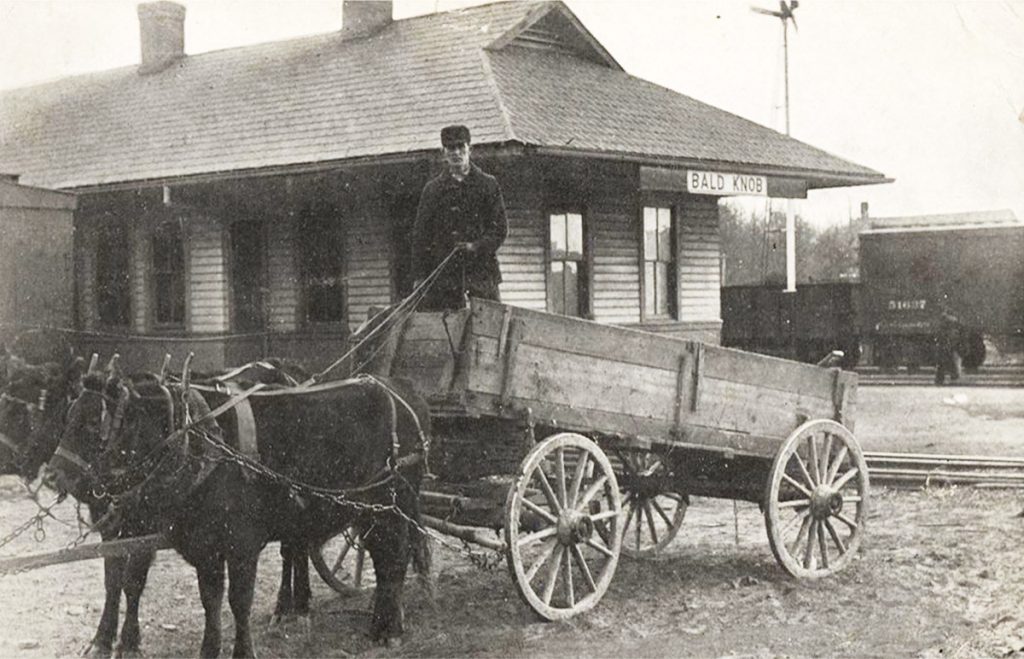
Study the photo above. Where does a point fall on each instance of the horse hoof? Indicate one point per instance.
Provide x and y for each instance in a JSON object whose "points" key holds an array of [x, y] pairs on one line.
{"points": [[307, 624], [128, 653]]}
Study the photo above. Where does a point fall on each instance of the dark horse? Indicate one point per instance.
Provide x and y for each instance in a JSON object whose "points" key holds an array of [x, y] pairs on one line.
{"points": [[329, 456], [33, 409]]}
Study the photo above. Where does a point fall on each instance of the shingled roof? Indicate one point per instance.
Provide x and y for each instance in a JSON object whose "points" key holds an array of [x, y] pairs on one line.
{"points": [[328, 98]]}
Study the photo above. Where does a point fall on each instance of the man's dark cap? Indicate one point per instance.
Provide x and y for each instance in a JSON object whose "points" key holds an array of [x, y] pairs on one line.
{"points": [[454, 135]]}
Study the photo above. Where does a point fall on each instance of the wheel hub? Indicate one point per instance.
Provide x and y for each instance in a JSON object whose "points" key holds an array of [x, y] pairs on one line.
{"points": [[825, 502], [574, 527]]}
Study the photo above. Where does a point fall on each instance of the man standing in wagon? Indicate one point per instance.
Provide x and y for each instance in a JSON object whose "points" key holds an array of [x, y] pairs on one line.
{"points": [[461, 209]]}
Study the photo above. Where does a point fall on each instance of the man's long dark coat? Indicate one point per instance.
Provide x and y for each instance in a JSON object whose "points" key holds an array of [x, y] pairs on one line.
{"points": [[451, 212]]}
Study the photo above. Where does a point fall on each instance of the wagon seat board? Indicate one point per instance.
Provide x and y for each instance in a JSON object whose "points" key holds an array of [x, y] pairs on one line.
{"points": [[650, 390]]}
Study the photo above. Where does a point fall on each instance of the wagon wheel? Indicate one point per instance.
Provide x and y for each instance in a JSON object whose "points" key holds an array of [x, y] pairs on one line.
{"points": [[340, 562], [562, 526], [816, 500], [654, 513]]}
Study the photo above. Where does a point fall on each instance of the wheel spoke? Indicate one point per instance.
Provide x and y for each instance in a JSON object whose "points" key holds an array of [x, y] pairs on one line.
{"points": [[545, 554], [800, 515], [823, 470], [594, 488], [821, 545], [543, 534], [577, 481], [650, 522], [809, 547], [804, 526], [795, 503], [584, 568], [552, 574], [845, 478], [792, 481], [341, 556], [803, 469], [852, 499], [600, 547], [545, 485], [662, 513], [603, 515], [560, 474], [840, 545], [814, 460], [846, 520], [629, 516], [540, 511], [570, 595], [837, 463]]}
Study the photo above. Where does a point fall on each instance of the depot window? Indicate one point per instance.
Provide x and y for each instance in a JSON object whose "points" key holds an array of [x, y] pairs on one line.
{"points": [[169, 274], [659, 263], [113, 279], [322, 250], [567, 276]]}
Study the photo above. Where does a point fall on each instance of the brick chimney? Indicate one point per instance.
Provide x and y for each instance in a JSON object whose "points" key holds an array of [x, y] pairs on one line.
{"points": [[162, 34], [361, 18]]}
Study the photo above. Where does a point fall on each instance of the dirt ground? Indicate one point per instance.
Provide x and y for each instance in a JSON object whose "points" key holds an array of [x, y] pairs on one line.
{"points": [[941, 574]]}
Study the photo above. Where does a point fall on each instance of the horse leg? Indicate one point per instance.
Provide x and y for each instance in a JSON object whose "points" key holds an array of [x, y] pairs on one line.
{"points": [[241, 586], [285, 598], [388, 544], [102, 643], [300, 575], [134, 582], [210, 574]]}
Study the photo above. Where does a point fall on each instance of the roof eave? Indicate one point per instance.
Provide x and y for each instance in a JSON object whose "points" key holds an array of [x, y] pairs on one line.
{"points": [[816, 179]]}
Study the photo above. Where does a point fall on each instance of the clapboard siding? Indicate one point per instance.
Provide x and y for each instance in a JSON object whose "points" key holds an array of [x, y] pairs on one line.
{"points": [[208, 280], [367, 264], [282, 276], [522, 260], [616, 275], [699, 261]]}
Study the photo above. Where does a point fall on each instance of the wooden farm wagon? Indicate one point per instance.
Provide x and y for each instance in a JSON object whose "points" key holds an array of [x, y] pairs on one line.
{"points": [[547, 427]]}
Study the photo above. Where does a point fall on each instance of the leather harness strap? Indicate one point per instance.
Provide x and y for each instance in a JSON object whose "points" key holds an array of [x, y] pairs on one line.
{"points": [[246, 421]]}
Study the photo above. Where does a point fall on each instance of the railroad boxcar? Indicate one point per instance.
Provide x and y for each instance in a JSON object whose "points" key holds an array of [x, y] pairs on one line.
{"points": [[913, 268], [36, 271], [805, 325]]}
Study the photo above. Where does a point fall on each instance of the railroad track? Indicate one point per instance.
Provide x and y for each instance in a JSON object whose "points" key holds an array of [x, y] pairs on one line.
{"points": [[986, 376], [916, 470]]}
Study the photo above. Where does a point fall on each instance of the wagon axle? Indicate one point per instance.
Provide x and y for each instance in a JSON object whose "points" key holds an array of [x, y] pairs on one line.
{"points": [[574, 527], [825, 502]]}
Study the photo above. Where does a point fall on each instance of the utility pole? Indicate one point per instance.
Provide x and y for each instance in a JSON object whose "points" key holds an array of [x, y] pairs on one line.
{"points": [[785, 14]]}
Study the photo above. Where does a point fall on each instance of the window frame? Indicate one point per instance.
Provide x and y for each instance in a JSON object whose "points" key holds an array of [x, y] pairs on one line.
{"points": [[103, 242], [182, 272], [585, 301], [673, 268], [326, 216], [260, 227]]}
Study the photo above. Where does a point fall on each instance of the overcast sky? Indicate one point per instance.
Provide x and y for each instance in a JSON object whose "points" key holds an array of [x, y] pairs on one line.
{"points": [[930, 93]]}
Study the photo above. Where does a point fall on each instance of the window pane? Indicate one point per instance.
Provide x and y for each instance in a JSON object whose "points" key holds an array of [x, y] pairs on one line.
{"points": [[556, 287], [323, 252], [572, 289], [650, 233], [661, 288], [169, 274], [247, 245], [558, 243], [664, 235], [574, 238], [113, 292]]}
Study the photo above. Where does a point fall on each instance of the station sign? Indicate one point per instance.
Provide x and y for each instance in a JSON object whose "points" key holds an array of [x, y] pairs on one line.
{"points": [[722, 183]]}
